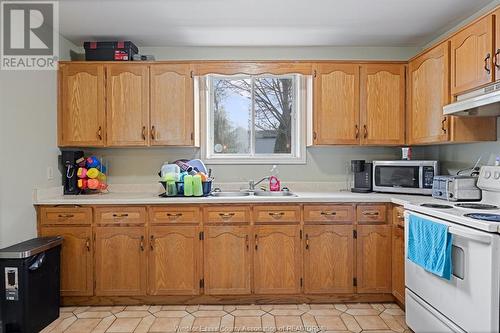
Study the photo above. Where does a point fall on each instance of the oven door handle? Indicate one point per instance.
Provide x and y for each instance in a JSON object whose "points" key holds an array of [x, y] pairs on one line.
{"points": [[486, 239]]}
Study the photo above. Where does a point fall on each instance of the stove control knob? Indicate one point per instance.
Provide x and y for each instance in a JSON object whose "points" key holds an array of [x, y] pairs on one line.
{"points": [[496, 175], [487, 174]]}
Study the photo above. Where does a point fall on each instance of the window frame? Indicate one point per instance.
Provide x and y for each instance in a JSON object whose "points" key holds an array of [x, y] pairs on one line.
{"points": [[302, 92]]}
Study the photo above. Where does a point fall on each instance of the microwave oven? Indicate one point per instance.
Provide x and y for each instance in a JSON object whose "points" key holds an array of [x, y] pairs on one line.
{"points": [[409, 177]]}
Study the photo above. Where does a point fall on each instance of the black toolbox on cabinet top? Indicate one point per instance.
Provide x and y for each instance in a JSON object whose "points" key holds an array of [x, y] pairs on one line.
{"points": [[109, 51]]}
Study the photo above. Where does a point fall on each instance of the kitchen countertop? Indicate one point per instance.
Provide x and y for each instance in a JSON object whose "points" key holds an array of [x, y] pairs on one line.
{"points": [[130, 197]]}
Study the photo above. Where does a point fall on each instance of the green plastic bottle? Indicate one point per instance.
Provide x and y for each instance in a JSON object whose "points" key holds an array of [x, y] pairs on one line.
{"points": [[188, 186], [197, 186]]}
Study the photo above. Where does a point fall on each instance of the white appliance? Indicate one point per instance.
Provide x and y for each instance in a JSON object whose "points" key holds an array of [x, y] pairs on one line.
{"points": [[470, 302], [411, 177], [483, 102]]}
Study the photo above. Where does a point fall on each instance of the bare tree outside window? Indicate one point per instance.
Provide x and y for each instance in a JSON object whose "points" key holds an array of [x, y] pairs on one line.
{"points": [[253, 115]]}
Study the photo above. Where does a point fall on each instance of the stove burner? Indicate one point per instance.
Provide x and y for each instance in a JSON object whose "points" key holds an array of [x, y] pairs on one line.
{"points": [[431, 205], [484, 217], [475, 206]]}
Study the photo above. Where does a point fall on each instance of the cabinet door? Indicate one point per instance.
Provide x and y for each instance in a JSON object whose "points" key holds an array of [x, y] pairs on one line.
{"points": [[471, 56], [172, 108], [277, 259], [429, 92], [127, 95], [81, 117], [336, 104], [382, 104], [398, 263], [374, 249], [120, 261], [77, 276], [328, 259], [227, 260], [174, 260]]}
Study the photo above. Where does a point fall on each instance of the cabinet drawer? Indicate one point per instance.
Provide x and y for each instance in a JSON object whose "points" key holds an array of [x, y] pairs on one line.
{"points": [[227, 214], [371, 213], [174, 214], [274, 214], [343, 214], [65, 215], [112, 215]]}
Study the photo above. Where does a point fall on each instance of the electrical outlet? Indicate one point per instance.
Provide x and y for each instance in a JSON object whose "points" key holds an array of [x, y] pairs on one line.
{"points": [[50, 173]]}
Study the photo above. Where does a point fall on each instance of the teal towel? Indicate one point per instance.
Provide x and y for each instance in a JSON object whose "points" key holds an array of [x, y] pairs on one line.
{"points": [[429, 246]]}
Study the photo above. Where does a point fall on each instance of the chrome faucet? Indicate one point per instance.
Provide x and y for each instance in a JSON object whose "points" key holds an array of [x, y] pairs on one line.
{"points": [[252, 183]]}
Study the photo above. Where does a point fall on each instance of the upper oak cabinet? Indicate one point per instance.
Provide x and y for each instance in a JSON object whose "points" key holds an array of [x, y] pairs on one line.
{"points": [[359, 104], [472, 56], [127, 96], [382, 104], [172, 122], [81, 116], [336, 104], [125, 104], [428, 91]]}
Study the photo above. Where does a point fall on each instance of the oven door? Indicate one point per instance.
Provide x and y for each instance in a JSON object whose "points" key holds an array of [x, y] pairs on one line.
{"points": [[470, 300], [396, 178]]}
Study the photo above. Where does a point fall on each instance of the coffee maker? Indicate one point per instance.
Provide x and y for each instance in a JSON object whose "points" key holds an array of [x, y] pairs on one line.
{"points": [[362, 174], [69, 167]]}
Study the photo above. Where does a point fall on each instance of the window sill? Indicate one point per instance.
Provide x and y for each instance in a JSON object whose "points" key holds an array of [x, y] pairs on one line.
{"points": [[270, 161]]}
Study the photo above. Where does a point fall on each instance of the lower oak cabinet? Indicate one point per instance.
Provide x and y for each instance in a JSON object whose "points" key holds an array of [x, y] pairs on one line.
{"points": [[328, 259], [227, 262], [77, 275], [174, 260], [120, 261], [374, 258], [398, 255], [277, 259]]}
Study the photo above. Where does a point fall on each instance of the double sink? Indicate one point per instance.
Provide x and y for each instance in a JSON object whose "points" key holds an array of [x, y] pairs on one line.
{"points": [[285, 193]]}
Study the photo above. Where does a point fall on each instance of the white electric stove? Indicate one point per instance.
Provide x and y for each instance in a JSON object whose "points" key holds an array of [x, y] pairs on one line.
{"points": [[470, 301]]}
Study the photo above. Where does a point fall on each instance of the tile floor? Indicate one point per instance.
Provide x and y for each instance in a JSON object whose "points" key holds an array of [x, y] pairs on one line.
{"points": [[232, 318]]}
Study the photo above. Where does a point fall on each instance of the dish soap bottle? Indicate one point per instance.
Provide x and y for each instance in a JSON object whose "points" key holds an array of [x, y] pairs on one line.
{"points": [[274, 182]]}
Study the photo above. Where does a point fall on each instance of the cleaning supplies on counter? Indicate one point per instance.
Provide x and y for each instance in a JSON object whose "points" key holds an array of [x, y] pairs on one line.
{"points": [[181, 179]]}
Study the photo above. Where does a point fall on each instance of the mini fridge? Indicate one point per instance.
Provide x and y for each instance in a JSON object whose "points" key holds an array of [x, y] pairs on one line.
{"points": [[29, 285]]}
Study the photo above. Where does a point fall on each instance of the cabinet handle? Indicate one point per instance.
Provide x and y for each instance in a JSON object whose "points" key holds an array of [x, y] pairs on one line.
{"points": [[144, 132], [99, 133], [356, 131], [328, 213], [497, 66], [151, 242], [66, 216], [247, 243], [120, 215], [256, 242], [315, 136], [87, 244], [371, 213], [226, 216], [153, 133], [174, 216], [400, 217], [486, 63], [276, 215], [142, 243], [443, 122], [307, 242], [365, 130]]}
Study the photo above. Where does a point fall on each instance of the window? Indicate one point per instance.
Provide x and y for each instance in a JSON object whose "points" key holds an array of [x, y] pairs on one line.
{"points": [[254, 119]]}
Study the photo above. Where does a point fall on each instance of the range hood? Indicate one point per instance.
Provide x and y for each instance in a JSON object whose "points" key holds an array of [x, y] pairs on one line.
{"points": [[484, 102]]}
